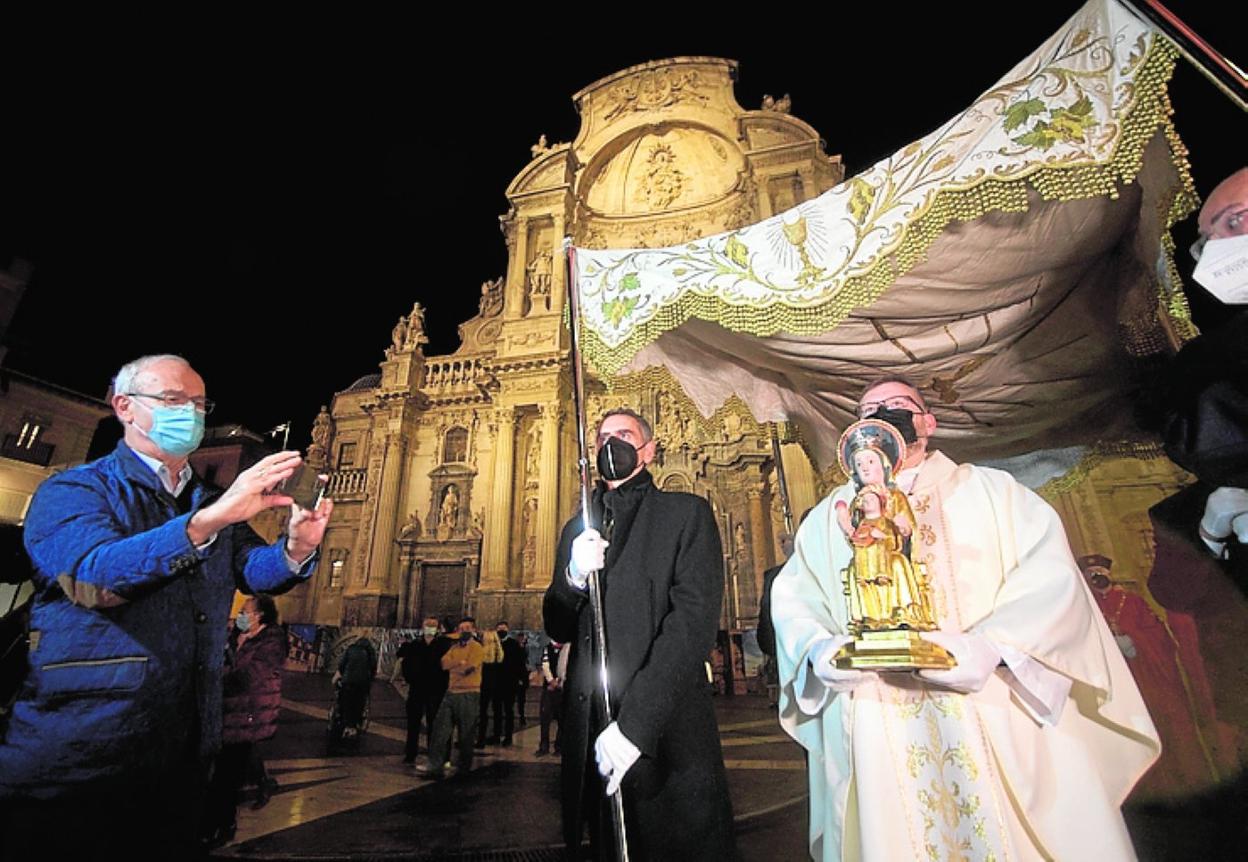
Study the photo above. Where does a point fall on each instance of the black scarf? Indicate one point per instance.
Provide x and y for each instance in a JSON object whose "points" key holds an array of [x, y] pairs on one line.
{"points": [[615, 509]]}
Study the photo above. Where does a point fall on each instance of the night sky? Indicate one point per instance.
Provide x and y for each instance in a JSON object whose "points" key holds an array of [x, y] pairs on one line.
{"points": [[267, 200]]}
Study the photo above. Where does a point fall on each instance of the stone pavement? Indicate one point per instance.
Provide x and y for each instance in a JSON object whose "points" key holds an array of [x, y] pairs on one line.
{"points": [[367, 804]]}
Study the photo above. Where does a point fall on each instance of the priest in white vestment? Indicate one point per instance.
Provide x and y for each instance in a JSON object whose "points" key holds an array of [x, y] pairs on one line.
{"points": [[1024, 750]]}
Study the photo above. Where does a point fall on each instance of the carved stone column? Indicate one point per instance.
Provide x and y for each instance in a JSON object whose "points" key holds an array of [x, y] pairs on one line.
{"points": [[513, 302], [408, 587], [380, 577], [760, 541], [496, 557], [548, 501], [558, 274]]}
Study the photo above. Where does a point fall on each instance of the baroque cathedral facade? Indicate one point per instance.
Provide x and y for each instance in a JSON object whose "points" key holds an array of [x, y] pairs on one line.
{"points": [[452, 475]]}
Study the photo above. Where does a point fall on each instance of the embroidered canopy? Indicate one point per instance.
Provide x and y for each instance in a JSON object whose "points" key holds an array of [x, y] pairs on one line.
{"points": [[1010, 262]]}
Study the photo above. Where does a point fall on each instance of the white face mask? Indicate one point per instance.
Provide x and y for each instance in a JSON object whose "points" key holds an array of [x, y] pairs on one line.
{"points": [[1223, 269]]}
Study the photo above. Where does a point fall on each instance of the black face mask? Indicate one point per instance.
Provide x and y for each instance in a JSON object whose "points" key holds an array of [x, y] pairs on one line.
{"points": [[902, 420], [616, 459]]}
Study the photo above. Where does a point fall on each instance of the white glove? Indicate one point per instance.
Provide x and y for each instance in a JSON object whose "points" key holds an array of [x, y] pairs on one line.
{"points": [[822, 658], [589, 554], [1126, 645], [1239, 527], [977, 658], [615, 755], [1224, 506]]}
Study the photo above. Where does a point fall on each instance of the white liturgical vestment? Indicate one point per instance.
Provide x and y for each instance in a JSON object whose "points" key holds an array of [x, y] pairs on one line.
{"points": [[1036, 764]]}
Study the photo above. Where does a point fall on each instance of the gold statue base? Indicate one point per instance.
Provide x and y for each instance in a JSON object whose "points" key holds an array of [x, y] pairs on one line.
{"points": [[893, 650]]}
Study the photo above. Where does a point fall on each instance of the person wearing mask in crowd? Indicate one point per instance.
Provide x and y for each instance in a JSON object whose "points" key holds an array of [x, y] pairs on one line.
{"points": [[660, 562], [460, 709], [252, 700], [420, 663], [136, 563]]}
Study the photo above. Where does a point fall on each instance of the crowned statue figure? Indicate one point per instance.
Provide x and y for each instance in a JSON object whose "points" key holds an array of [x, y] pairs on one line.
{"points": [[886, 585]]}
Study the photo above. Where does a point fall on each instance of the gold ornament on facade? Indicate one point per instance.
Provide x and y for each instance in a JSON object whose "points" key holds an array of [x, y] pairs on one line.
{"points": [[662, 182], [652, 91]]}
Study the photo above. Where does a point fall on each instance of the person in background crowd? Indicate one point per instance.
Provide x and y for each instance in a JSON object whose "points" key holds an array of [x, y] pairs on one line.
{"points": [[420, 663], [252, 700], [461, 706]]}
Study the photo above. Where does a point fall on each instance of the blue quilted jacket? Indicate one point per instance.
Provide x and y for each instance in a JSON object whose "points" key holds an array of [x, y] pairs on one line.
{"points": [[128, 630]]}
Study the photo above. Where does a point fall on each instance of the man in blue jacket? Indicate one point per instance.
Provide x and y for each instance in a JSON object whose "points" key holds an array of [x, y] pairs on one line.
{"points": [[136, 562]]}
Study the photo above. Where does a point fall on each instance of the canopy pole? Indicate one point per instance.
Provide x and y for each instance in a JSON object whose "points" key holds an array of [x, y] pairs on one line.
{"points": [[1211, 63], [595, 592], [786, 506]]}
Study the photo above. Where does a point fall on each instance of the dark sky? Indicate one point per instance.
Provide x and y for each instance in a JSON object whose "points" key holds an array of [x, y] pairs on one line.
{"points": [[267, 201]]}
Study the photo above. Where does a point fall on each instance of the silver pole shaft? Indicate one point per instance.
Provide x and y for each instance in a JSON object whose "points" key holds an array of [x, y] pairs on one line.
{"points": [[785, 505], [595, 592]]}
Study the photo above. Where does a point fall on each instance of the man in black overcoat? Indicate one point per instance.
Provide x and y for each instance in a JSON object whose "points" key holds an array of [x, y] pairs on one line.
{"points": [[662, 584]]}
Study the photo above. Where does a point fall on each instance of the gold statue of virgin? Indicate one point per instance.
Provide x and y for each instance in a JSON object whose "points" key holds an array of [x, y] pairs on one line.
{"points": [[887, 588]]}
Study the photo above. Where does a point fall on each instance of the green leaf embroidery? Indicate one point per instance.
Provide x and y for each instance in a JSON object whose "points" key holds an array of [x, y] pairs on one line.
{"points": [[1041, 137], [1020, 112], [617, 309], [630, 282]]}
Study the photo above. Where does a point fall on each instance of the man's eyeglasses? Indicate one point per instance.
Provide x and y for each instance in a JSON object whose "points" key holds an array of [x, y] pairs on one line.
{"points": [[1230, 225], [170, 399], [897, 402]]}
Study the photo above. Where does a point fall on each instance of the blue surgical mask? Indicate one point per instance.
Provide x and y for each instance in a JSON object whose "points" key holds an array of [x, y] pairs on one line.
{"points": [[176, 431], [242, 622], [431, 631]]}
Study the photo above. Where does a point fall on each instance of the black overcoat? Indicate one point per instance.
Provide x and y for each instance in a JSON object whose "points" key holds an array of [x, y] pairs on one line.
{"points": [[662, 587]]}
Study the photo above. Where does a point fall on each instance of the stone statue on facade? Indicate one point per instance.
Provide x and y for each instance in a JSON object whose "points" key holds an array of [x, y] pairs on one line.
{"points": [[491, 297], [411, 529], [539, 280], [322, 429], [448, 512], [398, 337], [416, 327]]}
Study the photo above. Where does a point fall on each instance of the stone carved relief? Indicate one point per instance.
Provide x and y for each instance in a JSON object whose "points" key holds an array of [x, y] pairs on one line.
{"points": [[528, 534], [662, 182], [531, 339], [668, 233], [532, 459], [654, 90]]}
